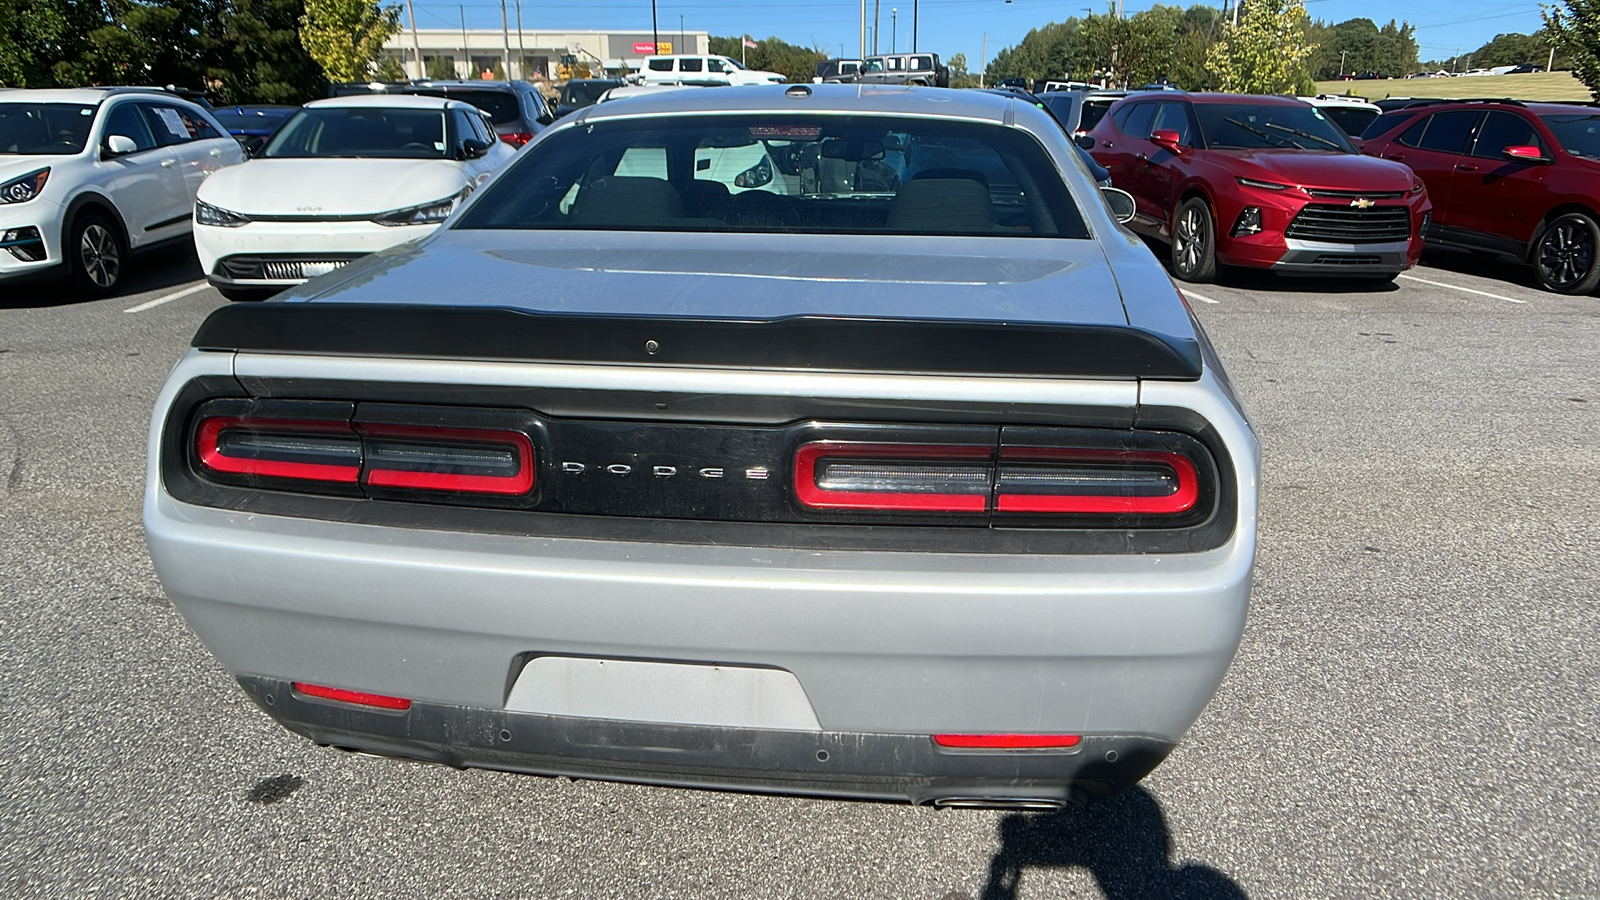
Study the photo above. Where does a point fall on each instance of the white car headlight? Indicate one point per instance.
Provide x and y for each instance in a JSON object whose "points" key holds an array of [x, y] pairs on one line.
{"points": [[21, 190], [426, 214], [206, 214]]}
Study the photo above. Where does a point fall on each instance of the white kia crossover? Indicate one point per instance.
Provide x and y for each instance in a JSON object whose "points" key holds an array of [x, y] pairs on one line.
{"points": [[342, 178], [91, 175]]}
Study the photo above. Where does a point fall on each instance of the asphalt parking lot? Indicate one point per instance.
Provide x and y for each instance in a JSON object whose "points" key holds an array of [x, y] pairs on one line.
{"points": [[1412, 713]]}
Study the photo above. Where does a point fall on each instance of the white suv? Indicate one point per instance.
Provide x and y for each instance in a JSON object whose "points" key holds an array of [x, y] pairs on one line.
{"points": [[702, 69], [90, 175]]}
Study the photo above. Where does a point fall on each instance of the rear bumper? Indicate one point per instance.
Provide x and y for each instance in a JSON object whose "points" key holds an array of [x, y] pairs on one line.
{"points": [[896, 767]]}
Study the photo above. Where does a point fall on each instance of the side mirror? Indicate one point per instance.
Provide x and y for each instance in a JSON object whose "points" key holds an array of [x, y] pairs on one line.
{"points": [[1084, 139], [1525, 154], [1167, 140], [120, 145], [253, 144], [472, 148], [1122, 204]]}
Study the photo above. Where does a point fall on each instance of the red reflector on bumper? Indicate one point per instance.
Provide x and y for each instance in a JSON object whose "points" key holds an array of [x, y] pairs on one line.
{"points": [[1008, 741], [359, 698]]}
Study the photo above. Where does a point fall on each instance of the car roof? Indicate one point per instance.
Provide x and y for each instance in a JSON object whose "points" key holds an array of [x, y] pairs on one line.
{"points": [[777, 99], [1258, 99], [467, 85], [88, 96], [390, 101], [1338, 100]]}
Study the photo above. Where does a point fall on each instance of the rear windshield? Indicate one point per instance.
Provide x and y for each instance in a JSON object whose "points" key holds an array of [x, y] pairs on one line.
{"points": [[1252, 126], [820, 175], [1578, 133], [46, 129], [1093, 112], [1352, 120], [500, 105], [585, 93], [365, 131]]}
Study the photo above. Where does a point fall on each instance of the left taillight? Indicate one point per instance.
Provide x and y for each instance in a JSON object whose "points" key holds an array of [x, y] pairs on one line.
{"points": [[321, 447]]}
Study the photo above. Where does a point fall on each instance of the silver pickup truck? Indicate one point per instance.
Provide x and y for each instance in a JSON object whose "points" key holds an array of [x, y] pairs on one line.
{"points": [[904, 68]]}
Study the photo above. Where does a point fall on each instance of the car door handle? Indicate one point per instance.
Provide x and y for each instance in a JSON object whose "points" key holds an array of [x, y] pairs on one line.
{"points": [[1394, 156], [1466, 167], [1140, 157], [168, 163], [1105, 144]]}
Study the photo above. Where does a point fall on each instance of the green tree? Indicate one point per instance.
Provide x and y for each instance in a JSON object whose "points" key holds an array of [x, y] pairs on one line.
{"points": [[266, 61], [959, 76], [346, 37], [1517, 49], [796, 63], [440, 68], [1574, 29], [1267, 52]]}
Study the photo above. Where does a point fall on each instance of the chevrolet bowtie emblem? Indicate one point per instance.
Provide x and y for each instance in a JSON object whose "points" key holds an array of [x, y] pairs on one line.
{"points": [[1363, 203]]}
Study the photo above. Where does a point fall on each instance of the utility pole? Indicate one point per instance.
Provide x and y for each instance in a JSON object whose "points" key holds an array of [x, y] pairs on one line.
{"points": [[416, 43], [894, 29], [863, 30], [466, 52], [877, 17], [1341, 62], [505, 34], [914, 25], [655, 31], [522, 49], [680, 34], [983, 59], [1548, 67]]}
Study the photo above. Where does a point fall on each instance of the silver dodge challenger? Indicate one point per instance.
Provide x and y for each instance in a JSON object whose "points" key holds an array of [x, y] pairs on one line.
{"points": [[815, 439]]}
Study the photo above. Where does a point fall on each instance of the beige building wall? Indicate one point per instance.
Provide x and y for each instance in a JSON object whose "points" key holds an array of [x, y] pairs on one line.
{"points": [[474, 51]]}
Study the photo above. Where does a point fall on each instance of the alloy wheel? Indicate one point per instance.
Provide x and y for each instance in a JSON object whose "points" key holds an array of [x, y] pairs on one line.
{"points": [[102, 262], [1566, 253], [1190, 240]]}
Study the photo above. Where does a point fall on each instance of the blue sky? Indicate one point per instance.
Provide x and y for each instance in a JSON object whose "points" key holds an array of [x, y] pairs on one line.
{"points": [[954, 26]]}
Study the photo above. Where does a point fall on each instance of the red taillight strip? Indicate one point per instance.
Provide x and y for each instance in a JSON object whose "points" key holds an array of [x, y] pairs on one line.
{"points": [[511, 485], [1008, 741], [360, 698], [805, 477], [1181, 500], [210, 430]]}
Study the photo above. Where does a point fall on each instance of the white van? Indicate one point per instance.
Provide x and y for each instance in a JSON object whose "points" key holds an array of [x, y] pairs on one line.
{"points": [[693, 69]]}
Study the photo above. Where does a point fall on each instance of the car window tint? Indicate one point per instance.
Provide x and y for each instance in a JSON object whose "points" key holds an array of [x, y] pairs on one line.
{"points": [[44, 128], [1174, 117], [1579, 133], [1091, 114], [690, 65], [715, 65], [1388, 122], [1447, 132], [1352, 119], [659, 65], [1139, 119], [786, 173], [129, 121], [1502, 130], [362, 132]]}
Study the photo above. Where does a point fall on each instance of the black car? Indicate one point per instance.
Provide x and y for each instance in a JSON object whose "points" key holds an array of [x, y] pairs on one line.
{"points": [[517, 108], [251, 125], [581, 92]]}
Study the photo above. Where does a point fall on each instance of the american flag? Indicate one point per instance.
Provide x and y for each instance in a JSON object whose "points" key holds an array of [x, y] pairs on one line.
{"points": [[749, 43]]}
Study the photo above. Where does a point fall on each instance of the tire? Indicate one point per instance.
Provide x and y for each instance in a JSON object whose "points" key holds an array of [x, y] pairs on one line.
{"points": [[1566, 257], [1194, 245], [96, 254], [242, 294]]}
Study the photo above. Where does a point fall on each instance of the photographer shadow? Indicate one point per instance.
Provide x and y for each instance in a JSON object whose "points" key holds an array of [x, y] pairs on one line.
{"points": [[1123, 842]]}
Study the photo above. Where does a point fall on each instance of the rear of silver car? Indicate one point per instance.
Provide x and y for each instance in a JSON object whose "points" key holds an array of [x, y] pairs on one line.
{"points": [[817, 656], [960, 510]]}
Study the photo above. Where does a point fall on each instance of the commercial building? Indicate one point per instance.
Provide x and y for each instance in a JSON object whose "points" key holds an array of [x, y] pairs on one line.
{"points": [[469, 53]]}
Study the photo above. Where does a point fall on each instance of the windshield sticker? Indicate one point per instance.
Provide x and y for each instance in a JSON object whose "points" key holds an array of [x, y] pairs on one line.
{"points": [[792, 132], [174, 124]]}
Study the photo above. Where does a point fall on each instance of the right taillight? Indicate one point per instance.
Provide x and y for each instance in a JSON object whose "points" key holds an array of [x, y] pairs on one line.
{"points": [[849, 475], [1020, 476], [1095, 482]]}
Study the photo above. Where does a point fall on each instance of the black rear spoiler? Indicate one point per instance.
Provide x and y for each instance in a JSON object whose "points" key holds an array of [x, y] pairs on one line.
{"points": [[800, 342]]}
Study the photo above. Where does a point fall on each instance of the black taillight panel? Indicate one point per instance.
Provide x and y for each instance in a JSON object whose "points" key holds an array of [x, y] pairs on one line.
{"points": [[983, 477]]}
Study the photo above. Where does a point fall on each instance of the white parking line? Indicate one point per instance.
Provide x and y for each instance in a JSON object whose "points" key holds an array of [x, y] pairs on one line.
{"points": [[191, 289], [1457, 287], [1202, 299]]}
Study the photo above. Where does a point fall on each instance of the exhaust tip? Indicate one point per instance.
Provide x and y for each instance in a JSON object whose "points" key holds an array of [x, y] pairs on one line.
{"points": [[1029, 804]]}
